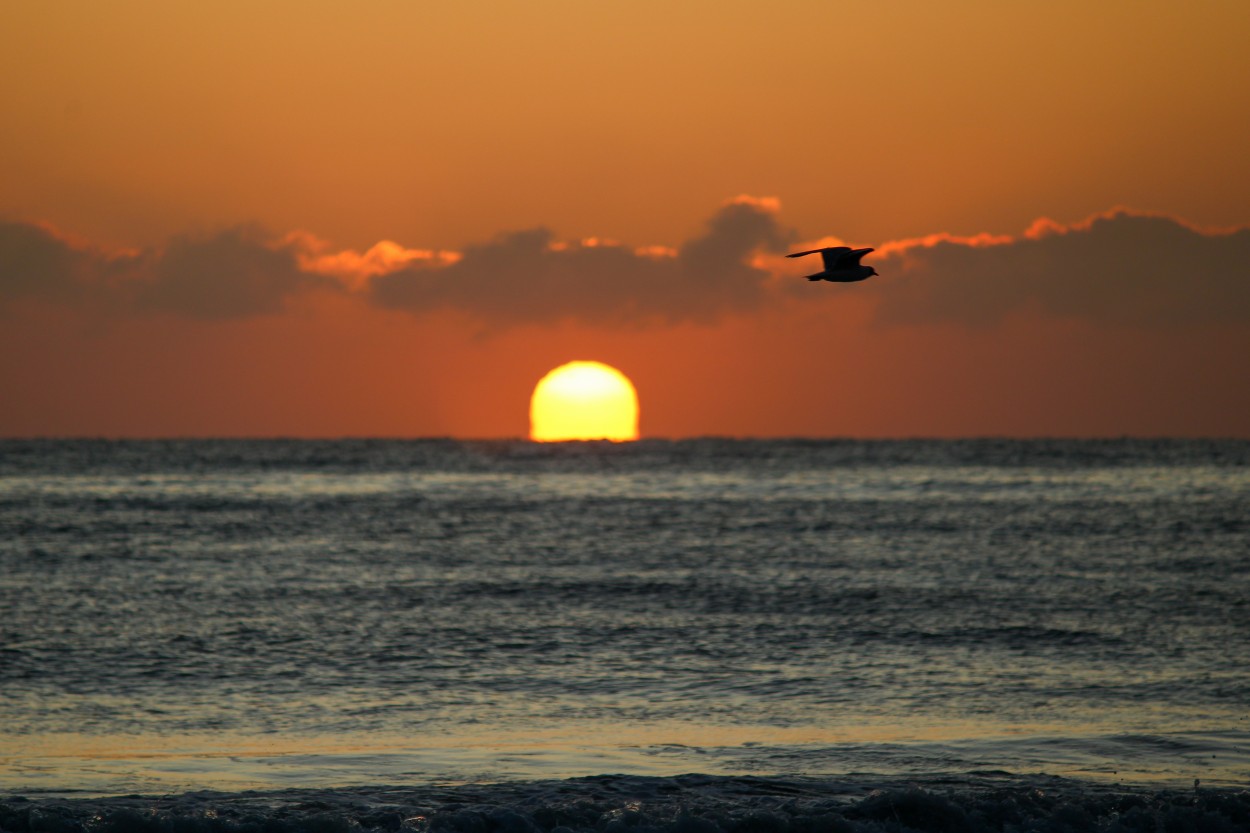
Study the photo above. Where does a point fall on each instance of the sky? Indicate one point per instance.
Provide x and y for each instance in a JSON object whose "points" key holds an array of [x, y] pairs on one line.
{"points": [[322, 219]]}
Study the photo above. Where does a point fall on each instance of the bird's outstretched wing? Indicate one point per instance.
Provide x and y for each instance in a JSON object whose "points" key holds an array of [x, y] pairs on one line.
{"points": [[849, 258], [833, 257], [822, 251]]}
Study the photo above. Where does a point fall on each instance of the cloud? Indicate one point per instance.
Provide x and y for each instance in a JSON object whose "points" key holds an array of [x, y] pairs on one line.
{"points": [[529, 277], [355, 268], [234, 273], [1119, 268], [519, 277], [36, 263]]}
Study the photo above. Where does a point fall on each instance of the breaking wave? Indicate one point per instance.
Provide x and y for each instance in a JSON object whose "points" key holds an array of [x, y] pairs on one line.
{"points": [[682, 804]]}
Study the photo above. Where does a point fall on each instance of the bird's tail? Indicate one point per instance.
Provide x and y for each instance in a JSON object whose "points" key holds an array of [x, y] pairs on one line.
{"points": [[818, 276]]}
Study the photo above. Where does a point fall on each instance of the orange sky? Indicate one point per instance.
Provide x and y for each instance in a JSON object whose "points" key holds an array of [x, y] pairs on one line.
{"points": [[189, 194]]}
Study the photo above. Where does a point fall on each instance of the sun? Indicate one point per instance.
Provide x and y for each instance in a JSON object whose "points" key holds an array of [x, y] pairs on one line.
{"points": [[584, 401]]}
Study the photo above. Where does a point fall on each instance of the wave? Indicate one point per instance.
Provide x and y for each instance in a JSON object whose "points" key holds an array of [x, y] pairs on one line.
{"points": [[634, 804]]}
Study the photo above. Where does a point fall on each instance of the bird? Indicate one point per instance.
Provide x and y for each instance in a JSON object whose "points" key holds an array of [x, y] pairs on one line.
{"points": [[841, 264]]}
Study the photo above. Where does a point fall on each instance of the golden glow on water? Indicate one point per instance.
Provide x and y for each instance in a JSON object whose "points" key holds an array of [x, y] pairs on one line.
{"points": [[584, 401], [87, 764]]}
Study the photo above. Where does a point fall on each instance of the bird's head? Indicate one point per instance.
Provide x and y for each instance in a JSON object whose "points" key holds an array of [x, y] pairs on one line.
{"points": [[872, 272]]}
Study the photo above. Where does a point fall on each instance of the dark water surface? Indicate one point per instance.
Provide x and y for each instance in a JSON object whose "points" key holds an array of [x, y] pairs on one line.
{"points": [[314, 615]]}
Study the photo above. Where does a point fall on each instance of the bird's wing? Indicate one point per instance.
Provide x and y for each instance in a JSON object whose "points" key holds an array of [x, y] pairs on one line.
{"points": [[849, 258], [832, 255], [808, 252]]}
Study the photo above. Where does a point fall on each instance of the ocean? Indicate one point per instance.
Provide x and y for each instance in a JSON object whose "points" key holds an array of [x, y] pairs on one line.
{"points": [[691, 635]]}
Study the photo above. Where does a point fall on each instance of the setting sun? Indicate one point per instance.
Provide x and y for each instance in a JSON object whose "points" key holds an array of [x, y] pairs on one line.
{"points": [[584, 401]]}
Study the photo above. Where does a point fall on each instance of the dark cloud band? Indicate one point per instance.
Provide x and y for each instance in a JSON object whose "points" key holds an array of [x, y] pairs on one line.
{"points": [[1120, 268], [523, 278]]}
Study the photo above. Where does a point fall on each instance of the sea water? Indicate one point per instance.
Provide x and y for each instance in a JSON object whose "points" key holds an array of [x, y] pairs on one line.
{"points": [[791, 620]]}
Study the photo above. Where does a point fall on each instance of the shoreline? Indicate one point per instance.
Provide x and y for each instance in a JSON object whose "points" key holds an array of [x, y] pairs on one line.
{"points": [[681, 804]]}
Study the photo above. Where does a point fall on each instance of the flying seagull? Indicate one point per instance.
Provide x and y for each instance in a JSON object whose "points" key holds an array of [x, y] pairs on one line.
{"points": [[841, 264]]}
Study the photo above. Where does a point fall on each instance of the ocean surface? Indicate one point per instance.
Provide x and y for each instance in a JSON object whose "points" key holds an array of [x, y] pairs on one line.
{"points": [[402, 634]]}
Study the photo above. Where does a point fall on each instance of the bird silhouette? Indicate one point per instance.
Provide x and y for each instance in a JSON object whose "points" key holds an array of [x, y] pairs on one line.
{"points": [[841, 264]]}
